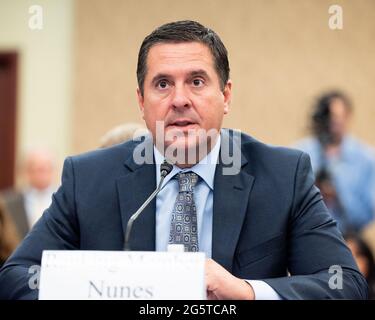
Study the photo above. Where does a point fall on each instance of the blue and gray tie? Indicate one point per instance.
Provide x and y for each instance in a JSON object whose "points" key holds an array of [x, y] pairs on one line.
{"points": [[184, 228]]}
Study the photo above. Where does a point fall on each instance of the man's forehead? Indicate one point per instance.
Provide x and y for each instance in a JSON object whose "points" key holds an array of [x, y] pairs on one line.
{"points": [[338, 107], [185, 53]]}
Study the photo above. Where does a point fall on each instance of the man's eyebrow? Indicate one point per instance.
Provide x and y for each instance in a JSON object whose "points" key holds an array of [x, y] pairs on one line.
{"points": [[199, 72], [160, 76], [193, 73]]}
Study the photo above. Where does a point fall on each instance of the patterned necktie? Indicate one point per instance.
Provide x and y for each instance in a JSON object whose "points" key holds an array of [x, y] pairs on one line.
{"points": [[184, 229]]}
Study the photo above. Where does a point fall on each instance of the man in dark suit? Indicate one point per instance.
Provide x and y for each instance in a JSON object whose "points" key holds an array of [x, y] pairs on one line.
{"points": [[262, 222]]}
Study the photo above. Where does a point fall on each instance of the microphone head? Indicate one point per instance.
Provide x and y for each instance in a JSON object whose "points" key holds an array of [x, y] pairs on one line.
{"points": [[165, 168]]}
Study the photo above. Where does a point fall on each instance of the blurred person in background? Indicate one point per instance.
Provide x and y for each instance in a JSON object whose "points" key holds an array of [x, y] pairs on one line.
{"points": [[122, 133], [364, 259], [324, 182], [344, 166], [368, 235], [9, 238], [26, 206]]}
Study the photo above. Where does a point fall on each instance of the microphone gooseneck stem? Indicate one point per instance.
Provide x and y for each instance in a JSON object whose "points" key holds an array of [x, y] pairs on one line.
{"points": [[138, 212]]}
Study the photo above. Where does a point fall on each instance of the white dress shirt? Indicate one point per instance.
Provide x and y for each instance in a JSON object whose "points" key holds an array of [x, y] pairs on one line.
{"points": [[36, 201]]}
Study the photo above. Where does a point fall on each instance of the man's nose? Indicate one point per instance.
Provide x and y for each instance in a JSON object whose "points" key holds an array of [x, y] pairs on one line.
{"points": [[180, 98]]}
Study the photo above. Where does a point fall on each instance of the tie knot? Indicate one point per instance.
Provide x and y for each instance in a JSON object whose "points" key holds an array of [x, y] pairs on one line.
{"points": [[187, 181]]}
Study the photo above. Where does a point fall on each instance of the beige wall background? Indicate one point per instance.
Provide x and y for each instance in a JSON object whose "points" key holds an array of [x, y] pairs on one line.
{"points": [[282, 54], [77, 75]]}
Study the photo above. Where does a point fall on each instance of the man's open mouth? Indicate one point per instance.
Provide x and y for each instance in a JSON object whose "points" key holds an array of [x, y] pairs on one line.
{"points": [[181, 123]]}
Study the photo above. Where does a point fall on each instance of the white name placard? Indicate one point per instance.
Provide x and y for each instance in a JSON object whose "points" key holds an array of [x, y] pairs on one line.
{"points": [[122, 275]]}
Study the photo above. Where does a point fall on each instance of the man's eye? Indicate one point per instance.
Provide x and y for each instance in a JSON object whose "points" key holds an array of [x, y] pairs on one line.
{"points": [[198, 82], [162, 84]]}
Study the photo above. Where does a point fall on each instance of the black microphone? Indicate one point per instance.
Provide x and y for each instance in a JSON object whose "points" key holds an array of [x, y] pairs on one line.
{"points": [[165, 169]]}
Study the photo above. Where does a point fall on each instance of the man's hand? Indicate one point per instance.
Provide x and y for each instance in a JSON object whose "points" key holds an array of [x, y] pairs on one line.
{"points": [[223, 285]]}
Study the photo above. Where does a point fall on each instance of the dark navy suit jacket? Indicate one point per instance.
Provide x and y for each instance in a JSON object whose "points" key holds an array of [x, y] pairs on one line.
{"points": [[268, 221]]}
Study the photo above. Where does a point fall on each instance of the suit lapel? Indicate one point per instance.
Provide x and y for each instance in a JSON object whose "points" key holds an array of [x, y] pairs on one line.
{"points": [[133, 189], [231, 194]]}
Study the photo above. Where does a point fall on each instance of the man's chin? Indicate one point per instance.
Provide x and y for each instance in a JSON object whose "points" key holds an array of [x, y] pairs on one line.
{"points": [[183, 143], [185, 151]]}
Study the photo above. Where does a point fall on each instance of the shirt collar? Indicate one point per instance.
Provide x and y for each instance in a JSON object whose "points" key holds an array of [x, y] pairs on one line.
{"points": [[204, 168]]}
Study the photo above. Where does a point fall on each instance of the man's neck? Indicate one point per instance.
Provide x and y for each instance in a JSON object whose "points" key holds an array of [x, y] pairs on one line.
{"points": [[189, 162], [333, 150]]}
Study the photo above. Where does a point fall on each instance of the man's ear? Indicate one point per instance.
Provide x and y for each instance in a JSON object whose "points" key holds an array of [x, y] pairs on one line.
{"points": [[227, 96], [141, 102]]}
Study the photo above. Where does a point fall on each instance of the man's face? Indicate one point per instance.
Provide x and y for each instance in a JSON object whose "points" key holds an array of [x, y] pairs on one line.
{"points": [[39, 170], [182, 88], [339, 121]]}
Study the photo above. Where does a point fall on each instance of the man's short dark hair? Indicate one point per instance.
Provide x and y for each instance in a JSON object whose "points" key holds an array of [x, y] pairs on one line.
{"points": [[320, 118], [185, 31]]}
